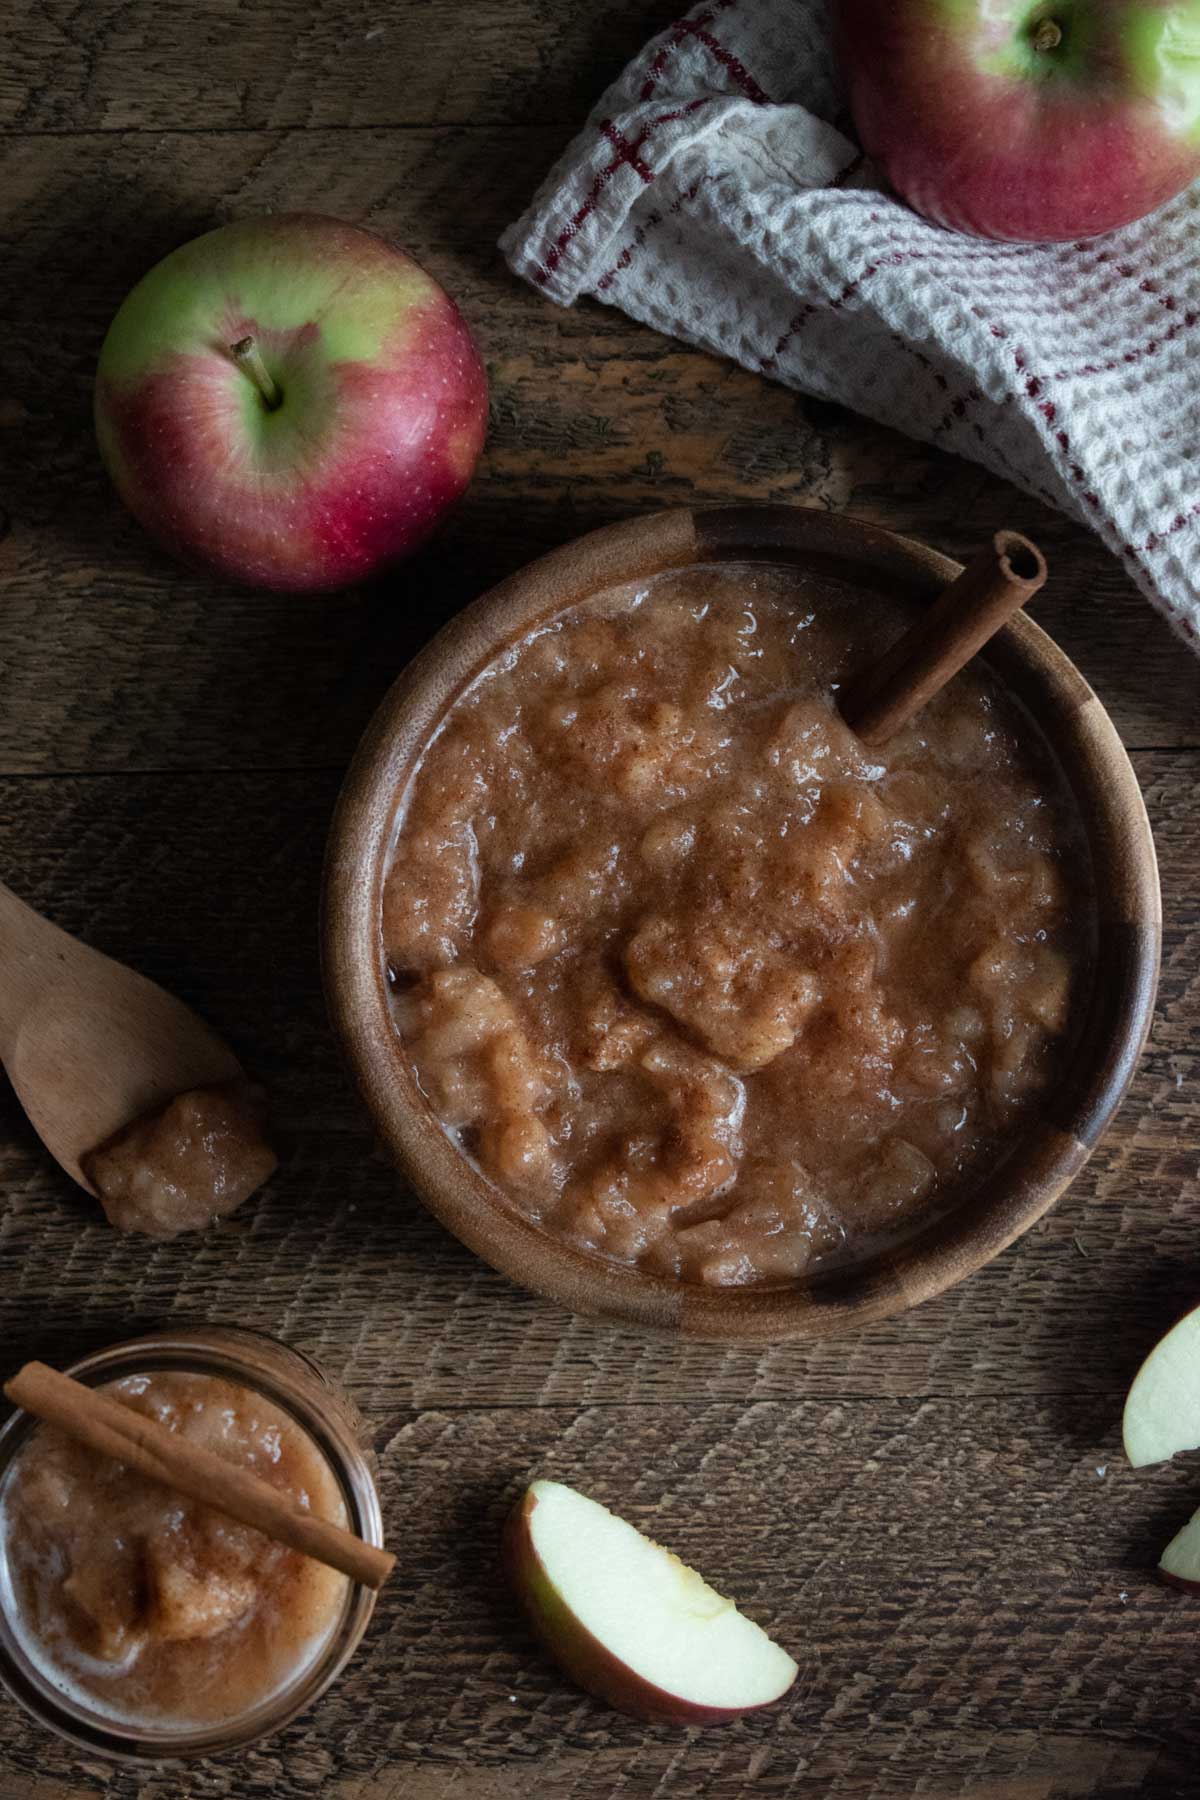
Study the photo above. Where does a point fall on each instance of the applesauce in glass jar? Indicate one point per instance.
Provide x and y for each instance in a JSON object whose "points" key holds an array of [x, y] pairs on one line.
{"points": [[138, 1623]]}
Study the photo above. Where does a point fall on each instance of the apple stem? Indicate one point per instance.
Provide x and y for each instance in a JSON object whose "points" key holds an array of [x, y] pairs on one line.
{"points": [[248, 356], [1048, 35]]}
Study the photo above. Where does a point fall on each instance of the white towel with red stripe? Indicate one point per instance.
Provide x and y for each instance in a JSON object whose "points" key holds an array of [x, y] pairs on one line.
{"points": [[711, 196]]}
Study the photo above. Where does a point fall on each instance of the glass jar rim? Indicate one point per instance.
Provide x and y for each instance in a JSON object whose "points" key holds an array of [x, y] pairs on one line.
{"points": [[191, 1349]]}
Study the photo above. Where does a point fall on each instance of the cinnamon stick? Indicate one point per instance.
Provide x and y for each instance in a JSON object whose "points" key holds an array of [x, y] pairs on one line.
{"points": [[105, 1425], [1007, 572]]}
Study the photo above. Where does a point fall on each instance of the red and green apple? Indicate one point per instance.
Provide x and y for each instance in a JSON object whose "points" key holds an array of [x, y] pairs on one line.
{"points": [[291, 402], [628, 1621], [1027, 120]]}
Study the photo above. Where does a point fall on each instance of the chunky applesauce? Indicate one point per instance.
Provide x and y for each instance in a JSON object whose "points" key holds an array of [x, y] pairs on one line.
{"points": [[185, 1164], [147, 1607], [699, 981]]}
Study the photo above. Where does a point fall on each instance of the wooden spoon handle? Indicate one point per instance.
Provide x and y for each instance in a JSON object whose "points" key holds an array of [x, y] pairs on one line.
{"points": [[1007, 572], [26, 947]]}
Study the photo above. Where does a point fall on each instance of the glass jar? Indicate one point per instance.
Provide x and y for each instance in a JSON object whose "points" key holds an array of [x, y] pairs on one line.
{"points": [[327, 1415]]}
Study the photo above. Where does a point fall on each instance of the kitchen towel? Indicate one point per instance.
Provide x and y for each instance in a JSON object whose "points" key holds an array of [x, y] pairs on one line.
{"points": [[712, 196]]}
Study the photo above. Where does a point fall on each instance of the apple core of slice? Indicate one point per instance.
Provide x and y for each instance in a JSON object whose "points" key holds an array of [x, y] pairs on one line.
{"points": [[631, 1623], [1162, 1412]]}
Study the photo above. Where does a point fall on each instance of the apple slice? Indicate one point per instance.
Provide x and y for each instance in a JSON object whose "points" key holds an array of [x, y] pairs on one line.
{"points": [[1180, 1561], [1162, 1412], [630, 1622]]}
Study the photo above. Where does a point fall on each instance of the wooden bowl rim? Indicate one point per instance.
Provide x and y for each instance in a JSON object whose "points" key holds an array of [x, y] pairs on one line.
{"points": [[1007, 1203]]}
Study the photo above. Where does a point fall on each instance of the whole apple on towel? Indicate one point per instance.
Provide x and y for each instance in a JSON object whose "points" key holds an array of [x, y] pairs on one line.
{"points": [[1029, 120], [291, 402]]}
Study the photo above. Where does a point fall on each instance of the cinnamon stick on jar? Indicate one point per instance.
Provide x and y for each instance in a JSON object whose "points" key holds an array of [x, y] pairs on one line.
{"points": [[105, 1425]]}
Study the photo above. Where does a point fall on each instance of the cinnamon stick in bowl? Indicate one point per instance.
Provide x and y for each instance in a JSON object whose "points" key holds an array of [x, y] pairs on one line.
{"points": [[1008, 571]]}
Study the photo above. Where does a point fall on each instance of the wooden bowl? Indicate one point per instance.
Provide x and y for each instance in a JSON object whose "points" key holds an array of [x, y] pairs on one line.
{"points": [[1006, 1203]]}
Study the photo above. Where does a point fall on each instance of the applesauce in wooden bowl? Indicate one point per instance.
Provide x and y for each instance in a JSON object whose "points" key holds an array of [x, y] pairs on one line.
{"points": [[684, 1006]]}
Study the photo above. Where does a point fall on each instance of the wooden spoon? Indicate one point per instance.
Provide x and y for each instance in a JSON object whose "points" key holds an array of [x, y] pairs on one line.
{"points": [[1007, 572], [88, 1044]]}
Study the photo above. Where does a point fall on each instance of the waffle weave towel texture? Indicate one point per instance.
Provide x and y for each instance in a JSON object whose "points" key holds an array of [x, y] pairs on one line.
{"points": [[711, 196]]}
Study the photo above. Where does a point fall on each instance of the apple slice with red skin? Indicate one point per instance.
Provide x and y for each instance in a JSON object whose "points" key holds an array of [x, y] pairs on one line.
{"points": [[1162, 1411], [1179, 1564], [631, 1623], [1162, 1418]]}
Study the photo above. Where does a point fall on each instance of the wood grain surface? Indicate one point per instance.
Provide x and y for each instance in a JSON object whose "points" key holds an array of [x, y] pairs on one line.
{"points": [[932, 1514]]}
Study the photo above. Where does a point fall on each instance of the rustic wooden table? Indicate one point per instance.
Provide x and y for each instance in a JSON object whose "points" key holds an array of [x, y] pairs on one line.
{"points": [[933, 1513]]}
